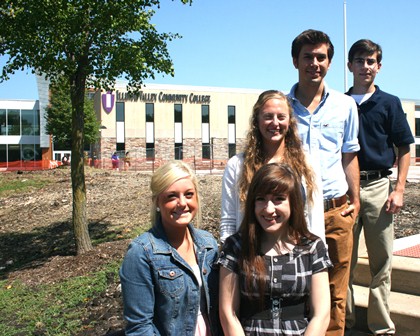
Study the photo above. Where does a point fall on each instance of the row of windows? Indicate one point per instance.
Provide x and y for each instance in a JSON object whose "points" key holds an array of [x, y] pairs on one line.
{"points": [[19, 122], [205, 121], [17, 152]]}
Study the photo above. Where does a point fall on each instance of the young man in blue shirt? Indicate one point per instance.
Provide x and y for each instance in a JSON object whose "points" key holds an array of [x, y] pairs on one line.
{"points": [[328, 126], [383, 125]]}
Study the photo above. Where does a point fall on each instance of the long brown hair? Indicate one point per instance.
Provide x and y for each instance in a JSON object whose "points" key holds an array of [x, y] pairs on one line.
{"points": [[272, 178], [255, 156]]}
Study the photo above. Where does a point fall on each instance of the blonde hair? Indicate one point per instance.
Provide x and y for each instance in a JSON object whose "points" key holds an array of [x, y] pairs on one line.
{"points": [[255, 157], [164, 177]]}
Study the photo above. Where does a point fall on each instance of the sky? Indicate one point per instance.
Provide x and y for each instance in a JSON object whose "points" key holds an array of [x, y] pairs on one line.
{"points": [[246, 43]]}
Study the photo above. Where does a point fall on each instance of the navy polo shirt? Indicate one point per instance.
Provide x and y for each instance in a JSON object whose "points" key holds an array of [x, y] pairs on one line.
{"points": [[383, 124]]}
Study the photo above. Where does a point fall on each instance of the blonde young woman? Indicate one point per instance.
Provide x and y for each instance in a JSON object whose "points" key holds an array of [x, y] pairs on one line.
{"points": [[169, 282], [272, 137]]}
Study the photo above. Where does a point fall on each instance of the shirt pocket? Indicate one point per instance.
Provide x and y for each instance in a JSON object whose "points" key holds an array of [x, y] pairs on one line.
{"points": [[332, 135], [171, 281]]}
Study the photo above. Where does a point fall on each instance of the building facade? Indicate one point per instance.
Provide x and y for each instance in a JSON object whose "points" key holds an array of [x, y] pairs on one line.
{"points": [[158, 123], [164, 122]]}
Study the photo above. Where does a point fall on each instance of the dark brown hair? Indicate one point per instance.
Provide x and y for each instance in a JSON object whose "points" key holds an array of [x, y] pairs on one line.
{"points": [[273, 178], [311, 37], [365, 46]]}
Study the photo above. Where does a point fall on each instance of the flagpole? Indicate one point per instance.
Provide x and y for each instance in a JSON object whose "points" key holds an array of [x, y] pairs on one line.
{"points": [[345, 46]]}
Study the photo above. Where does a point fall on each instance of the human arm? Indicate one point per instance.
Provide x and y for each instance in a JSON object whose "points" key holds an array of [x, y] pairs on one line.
{"points": [[138, 293], [351, 169], [230, 200], [320, 305], [395, 200], [229, 298]]}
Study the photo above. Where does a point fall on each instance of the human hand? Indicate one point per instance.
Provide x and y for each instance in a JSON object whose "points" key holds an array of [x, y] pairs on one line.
{"points": [[394, 202], [352, 209]]}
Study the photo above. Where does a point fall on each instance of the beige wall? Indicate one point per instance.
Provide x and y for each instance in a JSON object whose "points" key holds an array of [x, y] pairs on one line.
{"points": [[409, 109], [219, 100]]}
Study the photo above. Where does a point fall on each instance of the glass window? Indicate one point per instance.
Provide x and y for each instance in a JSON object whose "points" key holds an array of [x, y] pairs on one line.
{"points": [[232, 150], [417, 152], [28, 122], [206, 151], [3, 130], [119, 107], [14, 153], [178, 151], [231, 115], [205, 114], [120, 146], [13, 122], [178, 113], [3, 153], [417, 127], [150, 150], [150, 112]]}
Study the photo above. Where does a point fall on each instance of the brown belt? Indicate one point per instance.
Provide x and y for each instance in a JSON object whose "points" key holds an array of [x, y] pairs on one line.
{"points": [[334, 202]]}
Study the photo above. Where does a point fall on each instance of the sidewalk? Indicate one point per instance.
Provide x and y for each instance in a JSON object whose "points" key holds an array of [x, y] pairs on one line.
{"points": [[413, 174]]}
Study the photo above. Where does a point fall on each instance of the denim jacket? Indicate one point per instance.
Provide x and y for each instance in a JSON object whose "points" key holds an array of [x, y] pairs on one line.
{"points": [[161, 293]]}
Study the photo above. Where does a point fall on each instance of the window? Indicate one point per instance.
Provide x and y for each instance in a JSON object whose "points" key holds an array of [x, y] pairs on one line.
{"points": [[178, 113], [205, 132], [150, 112], [150, 131], [178, 151], [150, 151], [417, 152], [231, 115], [3, 129], [417, 127], [232, 130], [3, 153], [30, 122], [120, 107], [13, 122], [232, 150], [205, 114], [178, 131]]}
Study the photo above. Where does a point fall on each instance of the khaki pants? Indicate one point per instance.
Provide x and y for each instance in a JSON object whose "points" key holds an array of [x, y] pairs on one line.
{"points": [[378, 229], [339, 237]]}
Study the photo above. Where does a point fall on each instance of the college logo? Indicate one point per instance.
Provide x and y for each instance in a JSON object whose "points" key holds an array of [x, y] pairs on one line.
{"points": [[108, 100]]}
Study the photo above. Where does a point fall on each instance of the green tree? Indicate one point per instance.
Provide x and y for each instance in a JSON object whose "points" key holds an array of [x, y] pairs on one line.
{"points": [[88, 42], [59, 117]]}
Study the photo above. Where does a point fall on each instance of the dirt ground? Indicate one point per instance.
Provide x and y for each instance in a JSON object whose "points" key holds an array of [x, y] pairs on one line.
{"points": [[37, 246]]}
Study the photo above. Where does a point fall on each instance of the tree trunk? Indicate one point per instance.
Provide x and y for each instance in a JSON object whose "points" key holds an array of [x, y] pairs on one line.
{"points": [[80, 222]]}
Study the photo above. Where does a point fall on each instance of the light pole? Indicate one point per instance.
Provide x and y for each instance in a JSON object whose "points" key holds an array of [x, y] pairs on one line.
{"points": [[345, 45]]}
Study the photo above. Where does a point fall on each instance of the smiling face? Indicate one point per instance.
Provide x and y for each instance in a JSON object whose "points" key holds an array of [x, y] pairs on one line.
{"points": [[272, 212], [364, 67], [274, 121], [312, 63], [178, 203]]}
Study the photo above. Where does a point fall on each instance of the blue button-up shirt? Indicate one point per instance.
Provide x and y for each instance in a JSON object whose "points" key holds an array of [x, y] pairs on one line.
{"points": [[330, 130]]}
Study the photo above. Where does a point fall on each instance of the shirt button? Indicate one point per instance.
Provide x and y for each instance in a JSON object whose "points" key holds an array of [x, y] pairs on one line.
{"points": [[172, 273], [275, 259], [275, 280]]}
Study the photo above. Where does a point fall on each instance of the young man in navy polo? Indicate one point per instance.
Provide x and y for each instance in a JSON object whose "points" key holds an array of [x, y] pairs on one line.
{"points": [[383, 125]]}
